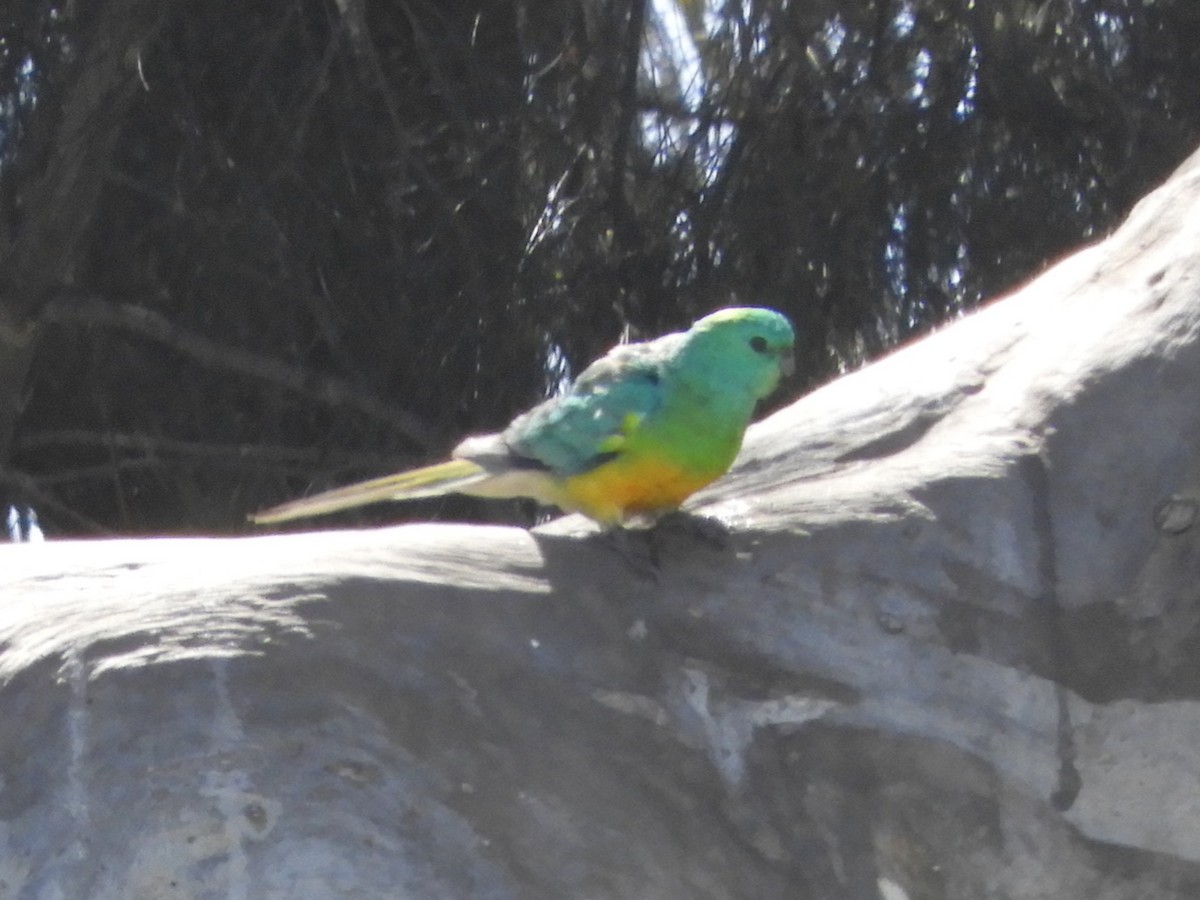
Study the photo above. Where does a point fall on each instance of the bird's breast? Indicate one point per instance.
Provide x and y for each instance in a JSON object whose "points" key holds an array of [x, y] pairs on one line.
{"points": [[627, 487]]}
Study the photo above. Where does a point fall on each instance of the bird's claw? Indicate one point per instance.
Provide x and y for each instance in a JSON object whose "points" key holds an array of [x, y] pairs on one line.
{"points": [[708, 529], [636, 547]]}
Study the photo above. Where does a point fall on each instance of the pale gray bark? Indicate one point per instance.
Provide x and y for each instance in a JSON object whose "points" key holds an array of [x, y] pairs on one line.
{"points": [[949, 651]]}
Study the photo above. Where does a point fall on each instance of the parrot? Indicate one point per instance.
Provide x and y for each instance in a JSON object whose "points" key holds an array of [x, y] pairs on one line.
{"points": [[634, 435]]}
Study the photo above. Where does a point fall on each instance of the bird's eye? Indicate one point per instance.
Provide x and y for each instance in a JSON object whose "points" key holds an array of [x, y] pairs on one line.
{"points": [[758, 344]]}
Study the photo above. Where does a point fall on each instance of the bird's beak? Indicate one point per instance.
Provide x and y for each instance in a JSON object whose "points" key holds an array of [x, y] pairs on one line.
{"points": [[787, 363]]}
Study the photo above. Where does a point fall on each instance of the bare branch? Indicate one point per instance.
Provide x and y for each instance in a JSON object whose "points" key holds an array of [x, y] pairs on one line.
{"points": [[239, 454], [28, 489], [93, 311]]}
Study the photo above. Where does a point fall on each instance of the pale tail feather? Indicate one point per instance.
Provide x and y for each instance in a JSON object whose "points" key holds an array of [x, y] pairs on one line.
{"points": [[431, 481]]}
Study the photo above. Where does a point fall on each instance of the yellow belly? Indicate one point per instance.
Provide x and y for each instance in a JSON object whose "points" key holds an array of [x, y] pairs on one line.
{"points": [[629, 487]]}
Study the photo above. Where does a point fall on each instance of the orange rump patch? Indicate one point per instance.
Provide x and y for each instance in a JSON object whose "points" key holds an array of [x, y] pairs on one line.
{"points": [[625, 487]]}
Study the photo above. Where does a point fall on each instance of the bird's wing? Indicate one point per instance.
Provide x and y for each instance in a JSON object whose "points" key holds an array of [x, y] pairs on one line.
{"points": [[589, 424]]}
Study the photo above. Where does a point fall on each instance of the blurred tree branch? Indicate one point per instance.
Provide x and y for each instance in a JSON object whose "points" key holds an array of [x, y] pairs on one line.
{"points": [[57, 177], [92, 312]]}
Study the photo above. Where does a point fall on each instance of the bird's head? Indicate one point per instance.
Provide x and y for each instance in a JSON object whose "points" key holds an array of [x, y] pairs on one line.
{"points": [[743, 347]]}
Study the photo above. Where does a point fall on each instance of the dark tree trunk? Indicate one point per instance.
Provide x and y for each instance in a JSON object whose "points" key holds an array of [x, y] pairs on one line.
{"points": [[61, 167]]}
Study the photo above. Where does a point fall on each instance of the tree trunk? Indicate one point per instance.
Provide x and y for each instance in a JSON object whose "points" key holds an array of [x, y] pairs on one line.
{"points": [[59, 171], [949, 650]]}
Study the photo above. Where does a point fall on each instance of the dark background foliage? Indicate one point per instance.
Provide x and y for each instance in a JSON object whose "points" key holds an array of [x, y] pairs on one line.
{"points": [[252, 250]]}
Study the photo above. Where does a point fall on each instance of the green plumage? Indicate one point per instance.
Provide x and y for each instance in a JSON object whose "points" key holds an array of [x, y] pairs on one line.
{"points": [[638, 430]]}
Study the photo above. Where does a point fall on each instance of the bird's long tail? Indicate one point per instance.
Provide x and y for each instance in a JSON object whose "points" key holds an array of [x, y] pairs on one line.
{"points": [[431, 481]]}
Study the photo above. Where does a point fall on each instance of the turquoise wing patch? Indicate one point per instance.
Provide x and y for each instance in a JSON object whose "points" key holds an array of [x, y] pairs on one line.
{"points": [[591, 423]]}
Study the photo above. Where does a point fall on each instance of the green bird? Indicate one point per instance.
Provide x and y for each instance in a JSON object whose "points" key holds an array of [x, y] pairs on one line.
{"points": [[638, 432]]}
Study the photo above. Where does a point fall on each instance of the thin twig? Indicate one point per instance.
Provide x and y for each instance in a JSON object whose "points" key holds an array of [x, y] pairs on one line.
{"points": [[32, 494], [92, 311], [154, 446]]}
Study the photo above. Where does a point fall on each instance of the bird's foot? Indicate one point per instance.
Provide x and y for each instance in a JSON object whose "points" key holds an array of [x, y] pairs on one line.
{"points": [[635, 547], [645, 548], [711, 531]]}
